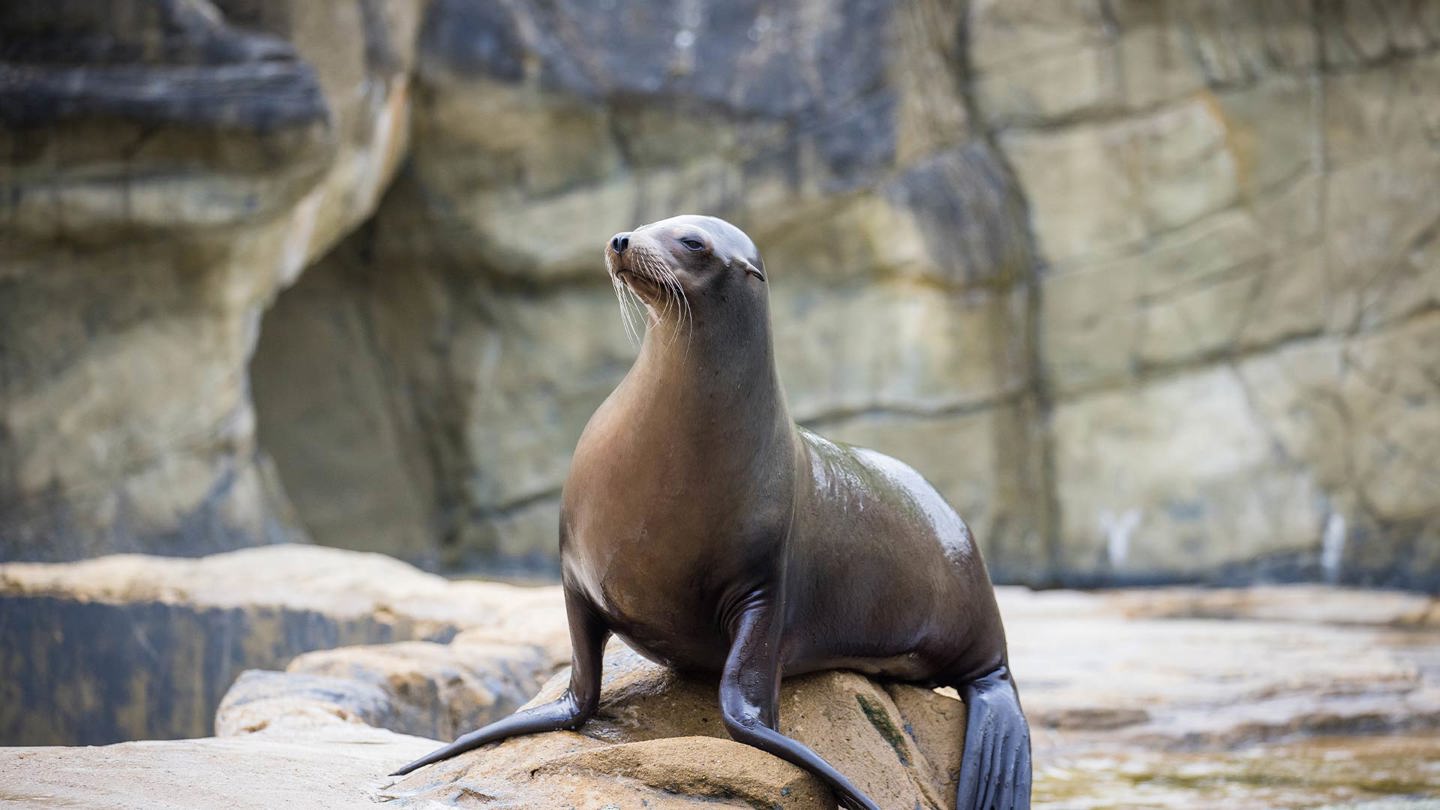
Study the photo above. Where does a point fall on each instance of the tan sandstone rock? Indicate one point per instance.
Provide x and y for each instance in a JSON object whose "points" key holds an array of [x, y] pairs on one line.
{"points": [[659, 734]]}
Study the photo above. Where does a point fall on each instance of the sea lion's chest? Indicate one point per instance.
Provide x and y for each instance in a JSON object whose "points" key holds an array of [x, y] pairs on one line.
{"points": [[673, 512], [655, 591]]}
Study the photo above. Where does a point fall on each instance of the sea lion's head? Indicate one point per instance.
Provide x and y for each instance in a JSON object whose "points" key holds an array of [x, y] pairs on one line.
{"points": [[686, 266]]}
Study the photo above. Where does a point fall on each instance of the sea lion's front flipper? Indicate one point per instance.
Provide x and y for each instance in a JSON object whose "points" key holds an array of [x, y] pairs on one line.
{"points": [[995, 768], [588, 634], [750, 697]]}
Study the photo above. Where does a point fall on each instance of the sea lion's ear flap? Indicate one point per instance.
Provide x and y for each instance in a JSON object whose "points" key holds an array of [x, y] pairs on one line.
{"points": [[750, 268]]}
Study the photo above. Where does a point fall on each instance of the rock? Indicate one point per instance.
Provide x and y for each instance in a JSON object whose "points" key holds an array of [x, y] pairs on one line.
{"points": [[1163, 478], [262, 701], [436, 690], [1214, 206], [1340, 773], [1359, 413], [1288, 603], [1283, 696], [421, 688], [328, 767], [1272, 697], [1220, 671], [658, 734], [151, 644], [168, 169]]}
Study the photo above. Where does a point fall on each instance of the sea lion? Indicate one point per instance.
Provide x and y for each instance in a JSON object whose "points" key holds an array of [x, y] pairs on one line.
{"points": [[701, 525]]}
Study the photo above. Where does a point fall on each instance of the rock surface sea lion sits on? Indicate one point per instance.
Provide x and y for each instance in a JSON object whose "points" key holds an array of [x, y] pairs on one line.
{"points": [[713, 535]]}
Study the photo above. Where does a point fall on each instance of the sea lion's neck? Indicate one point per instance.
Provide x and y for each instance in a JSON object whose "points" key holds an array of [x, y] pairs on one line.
{"points": [[709, 377]]}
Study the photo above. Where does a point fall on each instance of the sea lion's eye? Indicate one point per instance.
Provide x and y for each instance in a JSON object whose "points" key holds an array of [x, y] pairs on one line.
{"points": [[693, 244]]}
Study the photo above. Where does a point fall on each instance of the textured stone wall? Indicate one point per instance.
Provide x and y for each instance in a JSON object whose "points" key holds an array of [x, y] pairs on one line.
{"points": [[897, 239], [165, 167], [1237, 208], [1147, 289]]}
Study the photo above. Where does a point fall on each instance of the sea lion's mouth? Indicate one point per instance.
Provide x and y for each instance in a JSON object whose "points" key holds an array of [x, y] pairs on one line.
{"points": [[632, 279]]}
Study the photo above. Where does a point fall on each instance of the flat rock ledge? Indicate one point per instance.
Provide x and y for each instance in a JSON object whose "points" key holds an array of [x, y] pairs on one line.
{"points": [[140, 647]]}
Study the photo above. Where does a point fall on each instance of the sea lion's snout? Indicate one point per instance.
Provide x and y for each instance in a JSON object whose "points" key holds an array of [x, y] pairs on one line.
{"points": [[619, 242]]}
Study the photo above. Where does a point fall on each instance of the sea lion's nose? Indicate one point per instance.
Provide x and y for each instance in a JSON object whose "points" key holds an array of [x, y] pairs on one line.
{"points": [[619, 242]]}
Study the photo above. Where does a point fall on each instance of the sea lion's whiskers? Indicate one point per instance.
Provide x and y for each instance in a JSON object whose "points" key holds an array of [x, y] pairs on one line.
{"points": [[632, 332], [640, 309], [622, 297], [664, 279]]}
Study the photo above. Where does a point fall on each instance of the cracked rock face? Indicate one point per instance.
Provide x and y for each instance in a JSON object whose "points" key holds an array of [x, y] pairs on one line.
{"points": [[896, 236], [1236, 209], [1145, 289]]}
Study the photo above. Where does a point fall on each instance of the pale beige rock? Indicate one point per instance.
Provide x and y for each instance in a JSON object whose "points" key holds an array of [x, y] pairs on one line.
{"points": [[1170, 475], [1223, 673], [327, 767], [1202, 193], [293, 577], [1284, 603], [914, 349], [1360, 413], [436, 690]]}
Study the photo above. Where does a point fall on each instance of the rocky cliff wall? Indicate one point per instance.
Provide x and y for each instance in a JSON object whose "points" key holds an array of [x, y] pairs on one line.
{"points": [[167, 167], [1147, 289]]}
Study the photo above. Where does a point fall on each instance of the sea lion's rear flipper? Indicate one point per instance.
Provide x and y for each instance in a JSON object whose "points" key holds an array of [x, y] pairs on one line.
{"points": [[995, 768]]}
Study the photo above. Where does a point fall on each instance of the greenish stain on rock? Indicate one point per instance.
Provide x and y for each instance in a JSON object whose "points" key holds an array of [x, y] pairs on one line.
{"points": [[881, 721]]}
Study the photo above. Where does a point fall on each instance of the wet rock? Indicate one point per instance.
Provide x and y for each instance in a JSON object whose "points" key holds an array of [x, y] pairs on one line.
{"points": [[1290, 603], [131, 646], [1185, 670], [1339, 773]]}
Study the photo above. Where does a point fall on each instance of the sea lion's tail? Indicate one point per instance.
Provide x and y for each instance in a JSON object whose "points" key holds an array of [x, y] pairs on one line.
{"points": [[995, 768]]}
